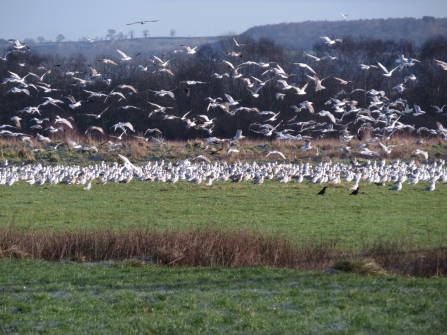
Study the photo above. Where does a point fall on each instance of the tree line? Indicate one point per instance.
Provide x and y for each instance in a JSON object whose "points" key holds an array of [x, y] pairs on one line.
{"points": [[341, 60]]}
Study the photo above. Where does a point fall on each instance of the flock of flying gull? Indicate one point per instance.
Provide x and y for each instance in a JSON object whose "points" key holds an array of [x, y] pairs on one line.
{"points": [[381, 111]]}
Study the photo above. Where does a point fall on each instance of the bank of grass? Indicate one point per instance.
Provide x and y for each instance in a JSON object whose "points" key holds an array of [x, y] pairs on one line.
{"points": [[71, 298]]}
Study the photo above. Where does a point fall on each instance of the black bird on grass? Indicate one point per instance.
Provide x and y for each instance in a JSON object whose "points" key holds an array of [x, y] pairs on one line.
{"points": [[355, 192], [322, 191]]}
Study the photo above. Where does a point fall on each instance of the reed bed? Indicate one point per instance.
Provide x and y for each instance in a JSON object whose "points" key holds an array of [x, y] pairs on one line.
{"points": [[210, 247]]}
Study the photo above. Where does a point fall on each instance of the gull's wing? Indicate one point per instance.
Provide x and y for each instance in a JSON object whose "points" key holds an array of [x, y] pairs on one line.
{"points": [[229, 97], [382, 67], [229, 64], [121, 53]]}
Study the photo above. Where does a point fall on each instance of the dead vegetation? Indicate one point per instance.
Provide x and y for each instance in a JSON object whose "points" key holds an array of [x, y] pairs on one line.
{"points": [[249, 150], [210, 247]]}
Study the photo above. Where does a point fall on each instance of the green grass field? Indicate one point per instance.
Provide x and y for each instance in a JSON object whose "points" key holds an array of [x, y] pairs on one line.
{"points": [[50, 298], [292, 209], [54, 298]]}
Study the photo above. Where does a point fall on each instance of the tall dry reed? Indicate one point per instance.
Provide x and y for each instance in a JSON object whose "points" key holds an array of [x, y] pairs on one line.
{"points": [[211, 247]]}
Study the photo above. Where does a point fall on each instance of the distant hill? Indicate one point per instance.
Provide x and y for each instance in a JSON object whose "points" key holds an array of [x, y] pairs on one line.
{"points": [[303, 35], [149, 45], [292, 35]]}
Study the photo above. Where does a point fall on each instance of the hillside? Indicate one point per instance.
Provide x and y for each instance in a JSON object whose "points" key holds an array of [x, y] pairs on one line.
{"points": [[303, 35], [149, 45], [291, 35]]}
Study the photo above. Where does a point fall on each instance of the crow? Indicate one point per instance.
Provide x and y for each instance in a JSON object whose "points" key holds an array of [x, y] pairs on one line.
{"points": [[322, 191], [355, 192]]}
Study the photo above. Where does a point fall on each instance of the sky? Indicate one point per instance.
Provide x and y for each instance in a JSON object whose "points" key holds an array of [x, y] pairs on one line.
{"points": [[76, 19]]}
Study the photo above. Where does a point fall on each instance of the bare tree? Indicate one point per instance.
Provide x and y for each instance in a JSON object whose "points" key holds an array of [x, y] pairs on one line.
{"points": [[40, 39], [111, 33], [131, 33], [145, 33], [172, 32], [121, 36], [60, 38]]}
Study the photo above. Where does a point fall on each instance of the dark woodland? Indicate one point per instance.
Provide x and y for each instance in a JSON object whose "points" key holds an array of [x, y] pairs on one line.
{"points": [[339, 60]]}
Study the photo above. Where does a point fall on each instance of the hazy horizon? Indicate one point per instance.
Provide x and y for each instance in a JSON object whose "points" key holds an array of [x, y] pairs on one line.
{"points": [[75, 20]]}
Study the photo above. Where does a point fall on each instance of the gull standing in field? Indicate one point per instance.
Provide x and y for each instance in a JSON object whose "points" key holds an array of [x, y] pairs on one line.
{"points": [[396, 187], [431, 187]]}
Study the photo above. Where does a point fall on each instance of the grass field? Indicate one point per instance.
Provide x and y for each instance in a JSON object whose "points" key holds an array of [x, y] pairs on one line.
{"points": [[127, 297], [52, 298], [292, 209]]}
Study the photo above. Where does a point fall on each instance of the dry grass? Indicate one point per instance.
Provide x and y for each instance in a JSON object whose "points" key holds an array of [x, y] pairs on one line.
{"points": [[209, 247], [363, 266], [249, 150]]}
